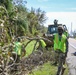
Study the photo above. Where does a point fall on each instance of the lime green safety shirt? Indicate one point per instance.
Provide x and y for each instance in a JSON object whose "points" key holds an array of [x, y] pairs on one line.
{"points": [[43, 44], [60, 44], [18, 47], [66, 33]]}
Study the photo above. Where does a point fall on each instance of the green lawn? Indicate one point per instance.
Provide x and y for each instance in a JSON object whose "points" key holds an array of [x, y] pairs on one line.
{"points": [[46, 69]]}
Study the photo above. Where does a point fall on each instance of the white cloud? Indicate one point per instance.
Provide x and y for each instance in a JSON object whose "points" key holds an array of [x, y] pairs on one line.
{"points": [[66, 18]]}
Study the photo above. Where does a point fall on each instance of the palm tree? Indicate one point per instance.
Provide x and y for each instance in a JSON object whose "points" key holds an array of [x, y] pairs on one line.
{"points": [[36, 18]]}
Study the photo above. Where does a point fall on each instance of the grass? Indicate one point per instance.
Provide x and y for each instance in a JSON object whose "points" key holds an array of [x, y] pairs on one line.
{"points": [[47, 69]]}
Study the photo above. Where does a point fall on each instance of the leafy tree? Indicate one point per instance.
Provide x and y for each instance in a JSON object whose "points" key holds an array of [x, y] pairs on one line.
{"points": [[19, 2], [21, 24], [4, 25], [19, 20], [36, 18], [7, 4]]}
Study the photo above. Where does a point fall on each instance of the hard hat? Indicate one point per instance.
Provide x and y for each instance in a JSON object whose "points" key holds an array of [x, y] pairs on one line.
{"points": [[60, 27]]}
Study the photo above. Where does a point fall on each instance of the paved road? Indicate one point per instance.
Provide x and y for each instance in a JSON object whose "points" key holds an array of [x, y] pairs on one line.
{"points": [[71, 60]]}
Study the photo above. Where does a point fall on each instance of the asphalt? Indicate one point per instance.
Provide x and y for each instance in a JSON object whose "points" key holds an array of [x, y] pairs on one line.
{"points": [[71, 59]]}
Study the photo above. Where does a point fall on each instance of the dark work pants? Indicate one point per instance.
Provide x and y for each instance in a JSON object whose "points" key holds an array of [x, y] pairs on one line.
{"points": [[61, 62], [66, 48]]}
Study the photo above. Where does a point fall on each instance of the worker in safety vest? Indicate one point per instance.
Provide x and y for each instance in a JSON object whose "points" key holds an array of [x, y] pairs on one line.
{"points": [[18, 48], [60, 47]]}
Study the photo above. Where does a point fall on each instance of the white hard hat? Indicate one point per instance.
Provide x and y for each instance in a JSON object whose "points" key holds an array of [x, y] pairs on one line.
{"points": [[60, 27]]}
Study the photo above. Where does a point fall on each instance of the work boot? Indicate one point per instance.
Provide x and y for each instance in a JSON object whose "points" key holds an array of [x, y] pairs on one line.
{"points": [[63, 70]]}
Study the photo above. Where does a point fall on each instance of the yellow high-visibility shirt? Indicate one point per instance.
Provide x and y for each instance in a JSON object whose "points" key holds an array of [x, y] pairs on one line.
{"points": [[60, 45], [43, 44]]}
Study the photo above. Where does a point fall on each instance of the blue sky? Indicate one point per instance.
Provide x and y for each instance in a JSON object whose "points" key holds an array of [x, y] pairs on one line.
{"points": [[53, 5], [62, 10]]}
